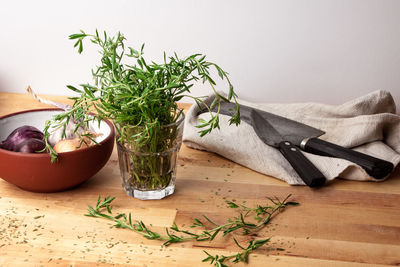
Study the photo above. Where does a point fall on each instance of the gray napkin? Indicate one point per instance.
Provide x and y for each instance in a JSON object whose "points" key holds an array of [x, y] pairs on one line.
{"points": [[367, 124]]}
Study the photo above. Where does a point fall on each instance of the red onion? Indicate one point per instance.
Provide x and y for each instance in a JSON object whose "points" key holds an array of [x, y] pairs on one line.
{"points": [[19, 135], [31, 146]]}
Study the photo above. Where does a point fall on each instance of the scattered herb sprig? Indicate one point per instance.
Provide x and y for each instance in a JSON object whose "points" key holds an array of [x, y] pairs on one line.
{"points": [[261, 214], [243, 256]]}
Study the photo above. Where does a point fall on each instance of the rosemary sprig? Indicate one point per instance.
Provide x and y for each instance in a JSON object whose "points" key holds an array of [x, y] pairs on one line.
{"points": [[263, 215], [218, 260], [140, 93]]}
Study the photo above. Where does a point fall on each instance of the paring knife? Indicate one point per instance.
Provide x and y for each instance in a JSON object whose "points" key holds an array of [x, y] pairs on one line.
{"points": [[269, 135], [305, 137]]}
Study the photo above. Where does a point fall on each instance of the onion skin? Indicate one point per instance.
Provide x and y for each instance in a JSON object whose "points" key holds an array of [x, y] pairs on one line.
{"points": [[19, 135], [68, 145]]}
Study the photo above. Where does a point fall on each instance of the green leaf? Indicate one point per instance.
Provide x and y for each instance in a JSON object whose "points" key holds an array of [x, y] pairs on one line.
{"points": [[202, 125], [202, 238], [76, 36], [133, 53], [109, 209], [231, 93], [196, 223], [174, 227], [232, 204], [80, 49], [209, 220], [237, 243], [209, 258], [74, 89], [215, 234], [292, 203], [88, 90], [260, 242], [142, 49]]}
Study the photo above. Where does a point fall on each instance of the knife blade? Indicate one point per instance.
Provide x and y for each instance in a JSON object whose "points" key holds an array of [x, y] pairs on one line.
{"points": [[270, 136], [306, 137], [295, 132]]}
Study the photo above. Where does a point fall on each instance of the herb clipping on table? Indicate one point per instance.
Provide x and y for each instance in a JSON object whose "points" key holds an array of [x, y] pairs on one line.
{"points": [[140, 93], [261, 214]]}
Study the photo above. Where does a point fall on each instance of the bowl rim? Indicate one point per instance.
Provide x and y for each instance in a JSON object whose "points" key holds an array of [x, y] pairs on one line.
{"points": [[46, 155]]}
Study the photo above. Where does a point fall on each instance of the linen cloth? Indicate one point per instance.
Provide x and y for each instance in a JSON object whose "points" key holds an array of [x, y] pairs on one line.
{"points": [[368, 124]]}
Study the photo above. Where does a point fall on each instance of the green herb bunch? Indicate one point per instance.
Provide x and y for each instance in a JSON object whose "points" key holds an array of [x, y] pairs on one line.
{"points": [[142, 94], [248, 222]]}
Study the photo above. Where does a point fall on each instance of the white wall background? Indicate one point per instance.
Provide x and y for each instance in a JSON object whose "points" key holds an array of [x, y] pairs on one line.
{"points": [[275, 51]]}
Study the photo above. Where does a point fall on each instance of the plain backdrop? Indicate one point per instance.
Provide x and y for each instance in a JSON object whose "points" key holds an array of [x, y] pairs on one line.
{"points": [[274, 51]]}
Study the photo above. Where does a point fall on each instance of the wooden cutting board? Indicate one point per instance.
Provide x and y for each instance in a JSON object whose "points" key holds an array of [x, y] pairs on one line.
{"points": [[345, 223]]}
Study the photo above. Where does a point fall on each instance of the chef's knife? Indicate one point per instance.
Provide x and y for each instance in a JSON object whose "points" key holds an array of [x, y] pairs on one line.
{"points": [[305, 137], [270, 136]]}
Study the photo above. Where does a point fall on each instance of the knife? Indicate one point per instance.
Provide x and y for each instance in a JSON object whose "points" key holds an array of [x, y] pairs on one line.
{"points": [[306, 137], [270, 136]]}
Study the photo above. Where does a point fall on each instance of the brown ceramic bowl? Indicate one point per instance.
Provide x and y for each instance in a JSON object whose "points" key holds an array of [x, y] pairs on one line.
{"points": [[34, 171]]}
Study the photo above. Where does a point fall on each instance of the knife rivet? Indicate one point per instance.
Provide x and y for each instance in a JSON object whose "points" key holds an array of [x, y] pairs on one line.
{"points": [[287, 143], [293, 149]]}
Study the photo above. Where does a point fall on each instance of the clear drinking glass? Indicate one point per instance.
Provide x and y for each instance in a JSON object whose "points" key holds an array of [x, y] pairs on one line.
{"points": [[149, 172]]}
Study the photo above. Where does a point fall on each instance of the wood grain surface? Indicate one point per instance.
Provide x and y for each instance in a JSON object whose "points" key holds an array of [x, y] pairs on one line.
{"points": [[345, 223]]}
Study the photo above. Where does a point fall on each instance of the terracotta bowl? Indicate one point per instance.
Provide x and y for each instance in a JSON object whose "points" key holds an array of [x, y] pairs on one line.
{"points": [[34, 171]]}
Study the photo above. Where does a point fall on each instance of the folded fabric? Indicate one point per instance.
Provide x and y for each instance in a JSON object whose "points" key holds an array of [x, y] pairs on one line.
{"points": [[368, 124]]}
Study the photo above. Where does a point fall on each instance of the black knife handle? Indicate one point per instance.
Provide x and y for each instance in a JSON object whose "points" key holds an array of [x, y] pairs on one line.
{"points": [[304, 168], [375, 167]]}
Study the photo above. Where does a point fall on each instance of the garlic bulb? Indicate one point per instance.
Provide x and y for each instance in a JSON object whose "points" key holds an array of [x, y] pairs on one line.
{"points": [[56, 136]]}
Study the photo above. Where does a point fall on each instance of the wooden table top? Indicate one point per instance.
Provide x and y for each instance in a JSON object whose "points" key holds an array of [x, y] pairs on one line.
{"points": [[345, 223]]}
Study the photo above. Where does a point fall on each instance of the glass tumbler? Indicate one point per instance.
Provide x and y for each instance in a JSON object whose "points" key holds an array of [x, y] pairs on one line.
{"points": [[149, 171]]}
